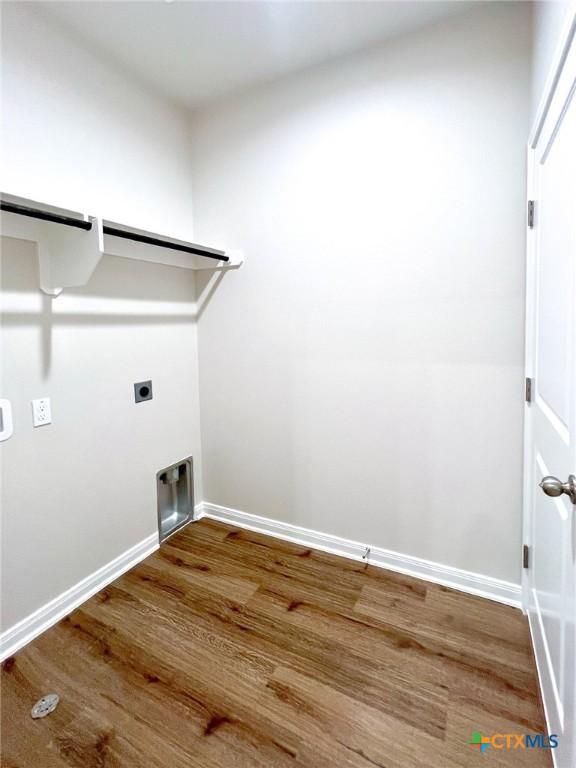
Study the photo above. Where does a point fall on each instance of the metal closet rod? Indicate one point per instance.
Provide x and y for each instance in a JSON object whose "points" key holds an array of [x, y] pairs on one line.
{"points": [[139, 238], [70, 221], [36, 213]]}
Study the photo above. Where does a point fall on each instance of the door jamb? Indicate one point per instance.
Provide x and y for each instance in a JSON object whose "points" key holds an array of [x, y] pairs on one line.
{"points": [[529, 370]]}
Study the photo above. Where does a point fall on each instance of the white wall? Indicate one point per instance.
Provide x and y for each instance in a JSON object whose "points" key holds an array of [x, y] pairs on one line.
{"points": [[362, 374], [78, 133], [81, 492], [548, 23]]}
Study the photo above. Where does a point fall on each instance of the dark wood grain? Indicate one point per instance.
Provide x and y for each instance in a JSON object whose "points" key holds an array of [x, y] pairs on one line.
{"points": [[227, 649]]}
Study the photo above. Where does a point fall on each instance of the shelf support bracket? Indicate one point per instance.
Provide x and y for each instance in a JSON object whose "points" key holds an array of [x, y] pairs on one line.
{"points": [[67, 257]]}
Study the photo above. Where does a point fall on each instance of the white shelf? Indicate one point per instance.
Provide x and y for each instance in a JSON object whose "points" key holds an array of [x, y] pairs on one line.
{"points": [[176, 256], [70, 244]]}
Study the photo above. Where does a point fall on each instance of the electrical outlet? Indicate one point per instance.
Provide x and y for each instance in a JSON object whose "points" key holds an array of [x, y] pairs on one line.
{"points": [[142, 391], [41, 412]]}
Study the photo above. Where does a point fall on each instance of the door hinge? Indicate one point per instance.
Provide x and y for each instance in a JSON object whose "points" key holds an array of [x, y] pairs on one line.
{"points": [[531, 205], [528, 390], [526, 556]]}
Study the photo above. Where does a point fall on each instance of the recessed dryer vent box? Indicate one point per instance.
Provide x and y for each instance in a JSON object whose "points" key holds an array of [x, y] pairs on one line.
{"points": [[175, 486]]}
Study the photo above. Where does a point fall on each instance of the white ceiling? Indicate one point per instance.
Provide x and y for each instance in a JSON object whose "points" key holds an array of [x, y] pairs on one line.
{"points": [[195, 52]]}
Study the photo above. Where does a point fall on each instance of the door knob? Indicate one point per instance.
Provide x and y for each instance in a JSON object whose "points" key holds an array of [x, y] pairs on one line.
{"points": [[554, 487]]}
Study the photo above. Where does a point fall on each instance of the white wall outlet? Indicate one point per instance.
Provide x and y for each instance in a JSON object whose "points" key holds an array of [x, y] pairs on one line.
{"points": [[41, 412]]}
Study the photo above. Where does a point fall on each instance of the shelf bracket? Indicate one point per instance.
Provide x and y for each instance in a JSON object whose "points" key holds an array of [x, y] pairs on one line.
{"points": [[67, 256]]}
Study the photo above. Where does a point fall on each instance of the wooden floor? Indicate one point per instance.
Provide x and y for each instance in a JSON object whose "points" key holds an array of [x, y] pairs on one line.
{"points": [[227, 649]]}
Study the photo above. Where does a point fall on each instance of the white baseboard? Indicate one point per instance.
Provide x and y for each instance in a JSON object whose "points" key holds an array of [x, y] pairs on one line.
{"points": [[49, 614], [465, 581], [26, 630]]}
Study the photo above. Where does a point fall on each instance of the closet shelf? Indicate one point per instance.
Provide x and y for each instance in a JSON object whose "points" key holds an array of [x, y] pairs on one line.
{"points": [[69, 252]]}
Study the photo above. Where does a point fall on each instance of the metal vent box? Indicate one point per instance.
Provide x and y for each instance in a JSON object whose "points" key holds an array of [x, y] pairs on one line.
{"points": [[175, 489]]}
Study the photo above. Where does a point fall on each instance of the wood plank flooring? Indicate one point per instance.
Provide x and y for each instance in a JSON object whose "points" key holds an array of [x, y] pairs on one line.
{"points": [[228, 649]]}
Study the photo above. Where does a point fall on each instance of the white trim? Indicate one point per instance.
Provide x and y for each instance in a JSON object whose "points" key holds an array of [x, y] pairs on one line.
{"points": [[529, 372], [543, 672], [49, 614], [465, 581], [26, 630]]}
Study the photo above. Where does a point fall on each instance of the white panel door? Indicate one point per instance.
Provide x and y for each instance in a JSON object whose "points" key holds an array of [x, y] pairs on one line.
{"points": [[550, 585]]}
